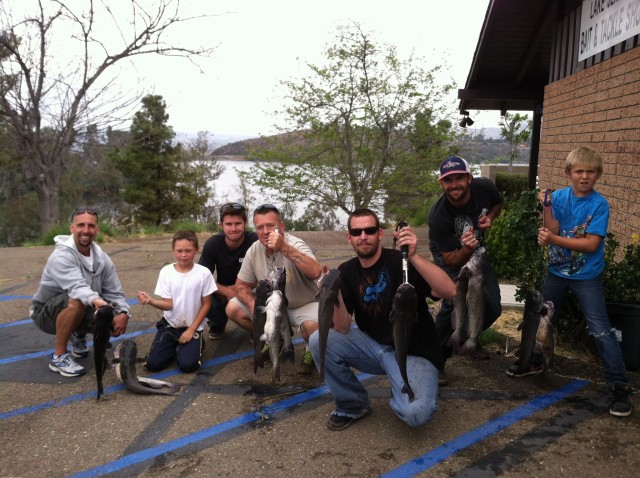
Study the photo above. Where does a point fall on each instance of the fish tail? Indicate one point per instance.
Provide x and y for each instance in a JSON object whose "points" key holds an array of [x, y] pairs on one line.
{"points": [[407, 389]]}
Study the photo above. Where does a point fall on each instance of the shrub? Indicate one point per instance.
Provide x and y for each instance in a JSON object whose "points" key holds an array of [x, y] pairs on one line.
{"points": [[511, 186], [513, 246], [622, 277]]}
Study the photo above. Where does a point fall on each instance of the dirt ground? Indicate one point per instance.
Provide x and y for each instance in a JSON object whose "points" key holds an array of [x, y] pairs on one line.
{"points": [[229, 421]]}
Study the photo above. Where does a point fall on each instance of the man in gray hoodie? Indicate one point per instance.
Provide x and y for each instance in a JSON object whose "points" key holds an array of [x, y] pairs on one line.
{"points": [[79, 277]]}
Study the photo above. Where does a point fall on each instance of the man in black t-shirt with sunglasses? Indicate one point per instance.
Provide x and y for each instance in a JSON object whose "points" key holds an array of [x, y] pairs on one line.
{"points": [[223, 254], [369, 283]]}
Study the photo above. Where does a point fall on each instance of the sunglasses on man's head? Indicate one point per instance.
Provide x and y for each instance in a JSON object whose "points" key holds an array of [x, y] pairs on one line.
{"points": [[369, 231], [232, 207], [84, 210], [264, 208]]}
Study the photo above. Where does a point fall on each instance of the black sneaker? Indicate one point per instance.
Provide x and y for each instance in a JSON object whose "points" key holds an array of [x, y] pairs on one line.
{"points": [[216, 334], [621, 405], [533, 370], [337, 423]]}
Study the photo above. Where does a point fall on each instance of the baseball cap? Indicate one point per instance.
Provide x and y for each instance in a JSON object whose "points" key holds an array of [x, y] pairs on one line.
{"points": [[454, 165]]}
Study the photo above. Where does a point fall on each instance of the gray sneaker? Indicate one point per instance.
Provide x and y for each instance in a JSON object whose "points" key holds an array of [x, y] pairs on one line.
{"points": [[79, 345], [66, 366]]}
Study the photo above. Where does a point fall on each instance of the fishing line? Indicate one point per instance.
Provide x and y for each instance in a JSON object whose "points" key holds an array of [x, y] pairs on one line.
{"points": [[405, 252]]}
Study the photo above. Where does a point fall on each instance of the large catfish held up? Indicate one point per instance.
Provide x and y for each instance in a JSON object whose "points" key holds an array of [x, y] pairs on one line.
{"points": [[537, 331], [327, 299], [403, 316], [469, 304], [103, 324]]}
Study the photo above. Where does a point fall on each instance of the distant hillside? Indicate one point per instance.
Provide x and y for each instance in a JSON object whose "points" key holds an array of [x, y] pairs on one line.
{"points": [[487, 150], [240, 148], [216, 140]]}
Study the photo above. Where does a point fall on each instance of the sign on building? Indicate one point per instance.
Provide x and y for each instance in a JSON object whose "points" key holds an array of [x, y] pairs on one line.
{"points": [[606, 23]]}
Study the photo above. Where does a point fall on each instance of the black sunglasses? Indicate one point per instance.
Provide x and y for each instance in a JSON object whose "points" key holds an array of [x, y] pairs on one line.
{"points": [[264, 208], [231, 206], [84, 210], [369, 231]]}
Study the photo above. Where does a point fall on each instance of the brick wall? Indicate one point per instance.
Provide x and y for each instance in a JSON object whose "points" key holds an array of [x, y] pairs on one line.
{"points": [[598, 107]]}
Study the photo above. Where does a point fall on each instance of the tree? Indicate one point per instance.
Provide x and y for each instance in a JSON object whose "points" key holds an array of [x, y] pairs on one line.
{"points": [[46, 102], [412, 179], [515, 133], [204, 169], [163, 182], [352, 118], [90, 177]]}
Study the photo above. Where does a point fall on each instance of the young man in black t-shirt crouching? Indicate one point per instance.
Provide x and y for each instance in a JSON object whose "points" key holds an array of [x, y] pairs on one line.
{"points": [[223, 254]]}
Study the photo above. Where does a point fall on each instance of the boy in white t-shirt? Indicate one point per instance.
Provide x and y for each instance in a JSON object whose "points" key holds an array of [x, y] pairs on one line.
{"points": [[185, 290]]}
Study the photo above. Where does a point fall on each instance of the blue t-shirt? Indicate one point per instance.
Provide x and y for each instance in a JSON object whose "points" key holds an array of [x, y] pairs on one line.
{"points": [[577, 217]]}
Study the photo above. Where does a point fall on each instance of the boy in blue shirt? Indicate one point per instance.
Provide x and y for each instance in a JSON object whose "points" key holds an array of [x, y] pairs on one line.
{"points": [[575, 225]]}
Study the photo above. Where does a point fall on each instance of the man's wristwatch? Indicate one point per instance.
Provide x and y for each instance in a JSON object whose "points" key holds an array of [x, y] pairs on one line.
{"points": [[126, 312]]}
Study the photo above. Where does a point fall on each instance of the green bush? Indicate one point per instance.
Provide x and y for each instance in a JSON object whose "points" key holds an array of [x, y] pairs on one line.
{"points": [[511, 186], [622, 277], [188, 225], [512, 244]]}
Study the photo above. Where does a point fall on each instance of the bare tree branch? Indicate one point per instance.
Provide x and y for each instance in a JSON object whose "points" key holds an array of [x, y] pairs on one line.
{"points": [[47, 103]]}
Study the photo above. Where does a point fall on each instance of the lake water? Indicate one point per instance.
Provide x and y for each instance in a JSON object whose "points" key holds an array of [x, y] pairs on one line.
{"points": [[227, 189]]}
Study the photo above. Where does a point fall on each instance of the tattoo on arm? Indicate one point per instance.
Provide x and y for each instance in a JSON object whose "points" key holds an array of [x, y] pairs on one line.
{"points": [[293, 254]]}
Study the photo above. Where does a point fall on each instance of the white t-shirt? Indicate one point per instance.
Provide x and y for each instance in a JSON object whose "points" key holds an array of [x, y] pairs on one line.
{"points": [[186, 289]]}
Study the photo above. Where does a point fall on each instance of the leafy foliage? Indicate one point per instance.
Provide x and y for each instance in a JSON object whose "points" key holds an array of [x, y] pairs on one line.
{"points": [[163, 183], [622, 277], [511, 185], [354, 116], [515, 132], [512, 244], [48, 99]]}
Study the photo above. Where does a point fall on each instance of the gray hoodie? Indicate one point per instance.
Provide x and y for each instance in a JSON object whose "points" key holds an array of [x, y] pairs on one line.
{"points": [[65, 272]]}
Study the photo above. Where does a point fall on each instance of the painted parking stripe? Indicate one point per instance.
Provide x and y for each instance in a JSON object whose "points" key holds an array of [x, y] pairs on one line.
{"points": [[17, 322], [119, 387], [410, 469], [46, 353], [206, 433], [441, 453], [5, 298]]}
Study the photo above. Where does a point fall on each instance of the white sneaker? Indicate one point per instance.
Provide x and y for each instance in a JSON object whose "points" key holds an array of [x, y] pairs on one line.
{"points": [[65, 365]]}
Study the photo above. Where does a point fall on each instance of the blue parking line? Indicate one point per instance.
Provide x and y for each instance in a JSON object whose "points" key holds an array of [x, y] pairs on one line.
{"points": [[17, 322], [441, 453], [412, 468], [46, 353], [119, 387], [5, 298], [155, 451]]}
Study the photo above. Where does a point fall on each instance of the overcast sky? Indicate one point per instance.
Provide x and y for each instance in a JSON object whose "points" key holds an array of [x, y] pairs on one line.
{"points": [[263, 41]]}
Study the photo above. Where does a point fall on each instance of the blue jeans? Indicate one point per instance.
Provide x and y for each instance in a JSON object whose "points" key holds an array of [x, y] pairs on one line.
{"points": [[166, 346], [217, 315], [590, 294], [356, 349]]}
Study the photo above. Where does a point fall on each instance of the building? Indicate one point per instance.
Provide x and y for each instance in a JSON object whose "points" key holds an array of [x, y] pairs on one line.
{"points": [[576, 65]]}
